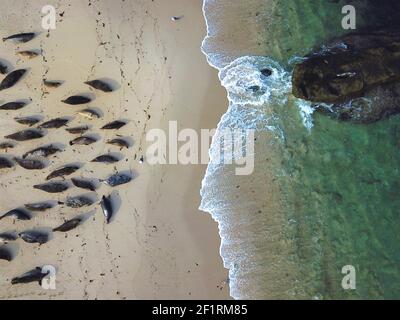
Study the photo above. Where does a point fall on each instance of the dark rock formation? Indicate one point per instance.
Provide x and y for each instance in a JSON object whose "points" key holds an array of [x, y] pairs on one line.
{"points": [[357, 75]]}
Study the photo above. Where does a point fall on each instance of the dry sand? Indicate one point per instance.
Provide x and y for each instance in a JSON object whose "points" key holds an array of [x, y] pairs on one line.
{"points": [[159, 245]]}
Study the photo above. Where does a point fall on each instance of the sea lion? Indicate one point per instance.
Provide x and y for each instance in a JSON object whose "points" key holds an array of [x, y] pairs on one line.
{"points": [[106, 206], [76, 100], [100, 85], [34, 275], [83, 140], [15, 105], [21, 37], [12, 78], [53, 187], [19, 214], [64, 171], [25, 135], [31, 164], [117, 124], [44, 151]]}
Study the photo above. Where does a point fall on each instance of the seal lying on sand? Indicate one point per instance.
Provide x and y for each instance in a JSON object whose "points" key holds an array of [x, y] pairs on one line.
{"points": [[20, 214], [35, 236], [21, 37], [107, 207], [25, 135], [70, 224], [12, 78], [64, 171], [53, 187], [75, 100], [35, 275]]}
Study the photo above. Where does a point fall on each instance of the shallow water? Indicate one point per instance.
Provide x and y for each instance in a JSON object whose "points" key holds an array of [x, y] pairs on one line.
{"points": [[323, 194]]}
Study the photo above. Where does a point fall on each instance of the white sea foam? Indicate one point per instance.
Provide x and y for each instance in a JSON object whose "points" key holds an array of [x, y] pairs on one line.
{"points": [[253, 99]]}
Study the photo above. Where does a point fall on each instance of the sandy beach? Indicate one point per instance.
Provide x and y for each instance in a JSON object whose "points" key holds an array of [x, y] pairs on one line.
{"points": [[159, 245]]}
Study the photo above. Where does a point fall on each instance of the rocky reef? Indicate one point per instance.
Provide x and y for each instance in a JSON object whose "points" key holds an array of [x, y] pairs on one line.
{"points": [[354, 78]]}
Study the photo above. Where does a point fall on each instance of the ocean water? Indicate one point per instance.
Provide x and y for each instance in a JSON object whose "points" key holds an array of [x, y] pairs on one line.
{"points": [[323, 194]]}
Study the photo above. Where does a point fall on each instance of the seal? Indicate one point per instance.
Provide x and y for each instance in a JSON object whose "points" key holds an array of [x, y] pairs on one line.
{"points": [[29, 121], [35, 275], [6, 253], [35, 236], [53, 187], [21, 37], [99, 85], [31, 164], [106, 158], [83, 140], [106, 206], [12, 78], [120, 142], [3, 68], [64, 171], [85, 184], [24, 135], [117, 124], [69, 225], [9, 236], [52, 84], [54, 123], [6, 145], [76, 100], [6, 163], [79, 201], [30, 54], [78, 130], [19, 213], [41, 206], [16, 105], [44, 151], [90, 113], [118, 179]]}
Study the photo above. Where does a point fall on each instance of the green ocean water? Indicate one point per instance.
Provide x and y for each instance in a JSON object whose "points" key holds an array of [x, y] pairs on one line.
{"points": [[343, 185], [339, 181]]}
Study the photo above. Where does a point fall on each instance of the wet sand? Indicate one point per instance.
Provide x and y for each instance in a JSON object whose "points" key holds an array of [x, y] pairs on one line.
{"points": [[159, 244]]}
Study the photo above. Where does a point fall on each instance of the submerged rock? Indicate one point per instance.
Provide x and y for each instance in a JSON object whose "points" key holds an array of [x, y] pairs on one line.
{"points": [[355, 78]]}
